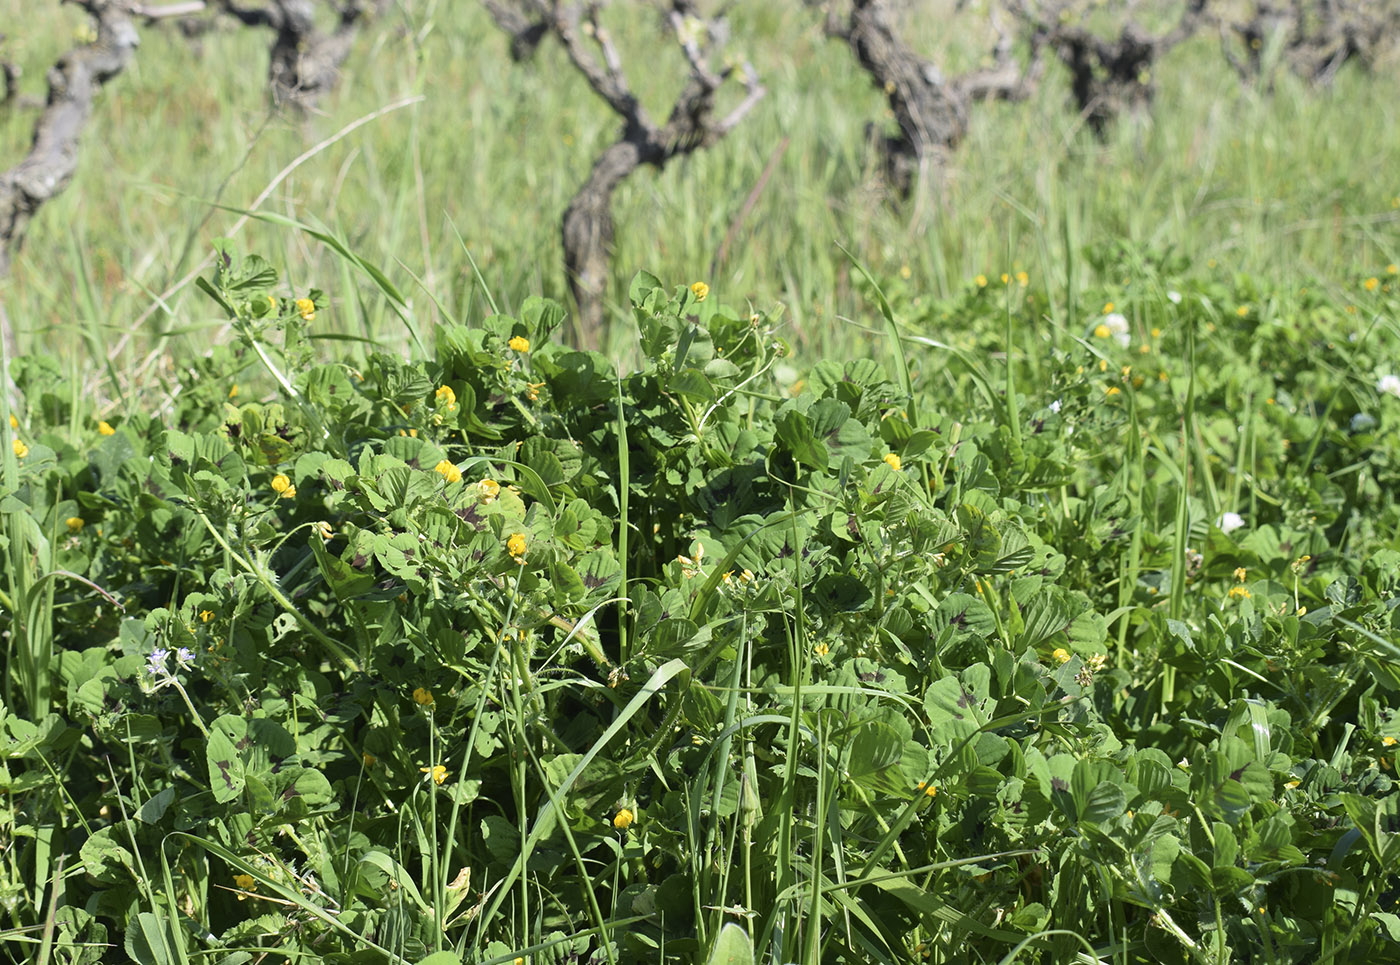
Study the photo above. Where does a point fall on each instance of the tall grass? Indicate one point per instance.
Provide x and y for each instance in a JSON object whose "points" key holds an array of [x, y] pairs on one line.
{"points": [[1251, 183]]}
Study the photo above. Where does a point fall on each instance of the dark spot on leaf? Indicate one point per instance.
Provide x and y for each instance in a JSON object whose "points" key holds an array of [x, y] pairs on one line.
{"points": [[359, 561], [1058, 784]]}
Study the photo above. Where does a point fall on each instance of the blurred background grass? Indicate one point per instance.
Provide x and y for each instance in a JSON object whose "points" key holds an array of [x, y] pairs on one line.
{"points": [[1294, 185]]}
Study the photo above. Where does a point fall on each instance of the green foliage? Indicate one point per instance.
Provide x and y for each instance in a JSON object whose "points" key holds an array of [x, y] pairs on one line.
{"points": [[502, 653]]}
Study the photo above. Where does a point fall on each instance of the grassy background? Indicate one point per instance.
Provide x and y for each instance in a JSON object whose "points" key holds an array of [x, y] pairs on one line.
{"points": [[1285, 186]]}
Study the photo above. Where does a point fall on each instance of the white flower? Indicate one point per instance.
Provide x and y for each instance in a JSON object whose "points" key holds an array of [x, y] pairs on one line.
{"points": [[1389, 384], [1117, 326], [1055, 406], [1174, 297], [1229, 522]]}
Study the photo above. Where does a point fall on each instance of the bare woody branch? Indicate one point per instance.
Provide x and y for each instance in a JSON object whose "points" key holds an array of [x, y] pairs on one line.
{"points": [[1109, 77], [304, 61], [525, 31], [930, 109], [1313, 38], [74, 81], [692, 124]]}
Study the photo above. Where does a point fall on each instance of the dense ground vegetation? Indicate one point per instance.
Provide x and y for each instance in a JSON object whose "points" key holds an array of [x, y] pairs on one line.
{"points": [[1018, 586]]}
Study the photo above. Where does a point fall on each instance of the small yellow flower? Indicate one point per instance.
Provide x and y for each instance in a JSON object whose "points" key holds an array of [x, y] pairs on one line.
{"points": [[104, 428], [322, 529], [438, 772], [1392, 269], [1111, 390], [928, 789], [1240, 593], [448, 470], [1242, 311], [205, 616], [1371, 284], [1107, 308], [1388, 741], [905, 272], [1005, 278], [516, 547], [747, 576], [233, 391], [623, 819], [980, 281], [1102, 331], [1061, 655], [245, 882], [368, 759], [424, 697], [892, 460], [446, 398], [21, 450], [14, 423], [700, 290], [280, 483], [519, 343], [307, 308], [532, 390], [488, 489], [1103, 365], [1097, 662], [821, 650], [1241, 574], [74, 524]]}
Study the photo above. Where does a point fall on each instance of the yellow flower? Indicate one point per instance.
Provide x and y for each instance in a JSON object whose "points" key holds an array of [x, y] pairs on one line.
{"points": [[1392, 269], [438, 772], [1239, 593], [1097, 662], [1022, 279], [519, 343], [74, 524], [928, 789], [368, 759], [1061, 655], [448, 471], [1371, 284], [700, 290], [1242, 311], [104, 428], [446, 398], [307, 308], [14, 423], [20, 448], [892, 460], [1108, 308], [821, 650], [245, 882], [280, 483], [905, 272], [1240, 574], [233, 391], [532, 390], [1111, 390], [423, 696], [488, 489], [516, 546], [1005, 278], [1388, 741], [1102, 331], [980, 281], [623, 819], [206, 615], [322, 529]]}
